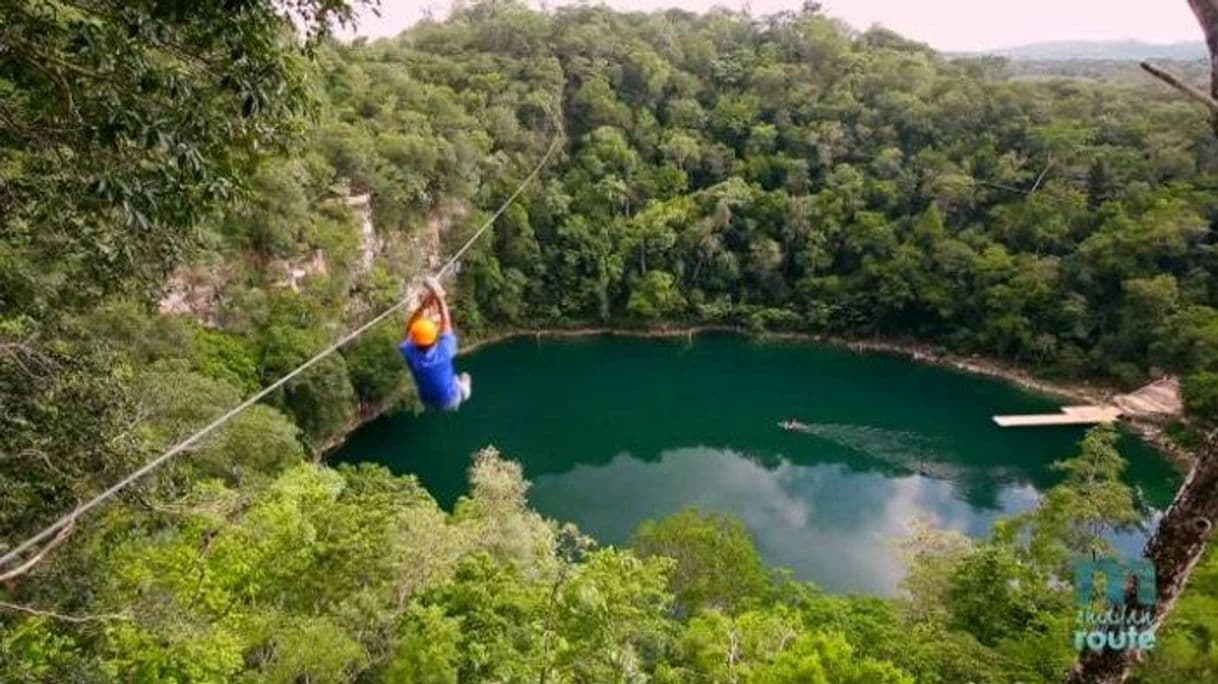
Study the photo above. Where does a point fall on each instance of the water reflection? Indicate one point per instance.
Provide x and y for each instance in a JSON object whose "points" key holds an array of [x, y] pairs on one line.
{"points": [[822, 521]]}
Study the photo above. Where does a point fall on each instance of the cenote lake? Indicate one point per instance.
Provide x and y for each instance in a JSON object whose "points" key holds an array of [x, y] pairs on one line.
{"points": [[612, 431]]}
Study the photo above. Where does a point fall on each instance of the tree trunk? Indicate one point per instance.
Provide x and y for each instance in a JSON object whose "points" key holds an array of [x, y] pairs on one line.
{"points": [[1179, 542], [1207, 16], [1174, 549]]}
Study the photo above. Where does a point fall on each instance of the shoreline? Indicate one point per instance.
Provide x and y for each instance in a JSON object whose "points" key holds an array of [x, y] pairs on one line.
{"points": [[1079, 391]]}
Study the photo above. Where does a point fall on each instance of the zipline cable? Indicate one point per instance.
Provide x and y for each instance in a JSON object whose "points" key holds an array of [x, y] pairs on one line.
{"points": [[70, 518]]}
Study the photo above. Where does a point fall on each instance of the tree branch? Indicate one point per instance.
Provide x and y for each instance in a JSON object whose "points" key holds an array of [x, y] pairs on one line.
{"points": [[1210, 103], [1000, 186], [25, 567], [44, 58], [28, 610], [1041, 177]]}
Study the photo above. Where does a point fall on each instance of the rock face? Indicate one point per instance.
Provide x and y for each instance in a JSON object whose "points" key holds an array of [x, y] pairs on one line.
{"points": [[297, 271], [1159, 399], [370, 242], [370, 247], [193, 292], [196, 290]]}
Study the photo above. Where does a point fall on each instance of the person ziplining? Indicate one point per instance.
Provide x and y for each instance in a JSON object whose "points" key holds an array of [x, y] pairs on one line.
{"points": [[20, 558], [429, 349]]}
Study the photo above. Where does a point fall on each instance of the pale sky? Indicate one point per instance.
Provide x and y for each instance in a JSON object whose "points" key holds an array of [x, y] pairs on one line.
{"points": [[952, 25]]}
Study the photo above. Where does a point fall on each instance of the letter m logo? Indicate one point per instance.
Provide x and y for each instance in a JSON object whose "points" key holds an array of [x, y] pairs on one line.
{"points": [[1116, 579]]}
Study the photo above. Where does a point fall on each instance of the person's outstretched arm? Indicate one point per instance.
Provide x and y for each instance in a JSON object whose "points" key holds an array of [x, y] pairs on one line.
{"points": [[419, 312], [437, 293]]}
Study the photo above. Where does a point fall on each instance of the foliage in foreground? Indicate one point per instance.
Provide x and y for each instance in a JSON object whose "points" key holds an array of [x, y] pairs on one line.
{"points": [[246, 584], [783, 175]]}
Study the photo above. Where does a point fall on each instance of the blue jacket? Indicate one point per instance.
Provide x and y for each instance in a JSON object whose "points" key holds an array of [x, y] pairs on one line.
{"points": [[432, 368]]}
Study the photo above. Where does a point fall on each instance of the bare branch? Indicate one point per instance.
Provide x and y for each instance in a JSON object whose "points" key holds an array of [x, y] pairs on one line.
{"points": [[25, 567], [29, 610], [141, 414], [1000, 186], [44, 58], [1173, 81], [38, 454], [1041, 177], [21, 352]]}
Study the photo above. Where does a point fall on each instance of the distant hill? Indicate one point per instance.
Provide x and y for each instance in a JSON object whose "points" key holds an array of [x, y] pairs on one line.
{"points": [[1102, 50]]}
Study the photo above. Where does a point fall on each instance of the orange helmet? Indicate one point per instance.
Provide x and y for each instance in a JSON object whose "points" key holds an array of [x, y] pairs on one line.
{"points": [[423, 332]]}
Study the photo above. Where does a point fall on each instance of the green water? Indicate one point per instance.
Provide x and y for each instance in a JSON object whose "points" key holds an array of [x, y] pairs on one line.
{"points": [[612, 431]]}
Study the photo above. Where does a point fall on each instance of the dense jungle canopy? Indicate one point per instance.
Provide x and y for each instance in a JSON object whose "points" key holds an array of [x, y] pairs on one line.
{"points": [[781, 174]]}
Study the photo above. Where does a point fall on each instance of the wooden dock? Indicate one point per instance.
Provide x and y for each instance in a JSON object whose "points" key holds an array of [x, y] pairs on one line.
{"points": [[1070, 415]]}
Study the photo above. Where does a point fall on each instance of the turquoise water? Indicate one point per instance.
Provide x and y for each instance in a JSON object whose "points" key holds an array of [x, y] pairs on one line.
{"points": [[612, 431]]}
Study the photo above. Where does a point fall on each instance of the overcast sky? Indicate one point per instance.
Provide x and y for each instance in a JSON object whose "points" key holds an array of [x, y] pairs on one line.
{"points": [[945, 24]]}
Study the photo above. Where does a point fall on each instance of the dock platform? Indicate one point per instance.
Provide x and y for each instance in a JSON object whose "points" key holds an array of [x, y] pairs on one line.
{"points": [[1070, 415]]}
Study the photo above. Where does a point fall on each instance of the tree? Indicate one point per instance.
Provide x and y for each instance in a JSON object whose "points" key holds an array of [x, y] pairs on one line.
{"points": [[1207, 15], [825, 659], [376, 367], [258, 444], [771, 646], [429, 650], [107, 171], [656, 296], [1148, 303], [1176, 545], [1201, 394], [60, 455], [1076, 516], [717, 566], [1186, 650]]}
